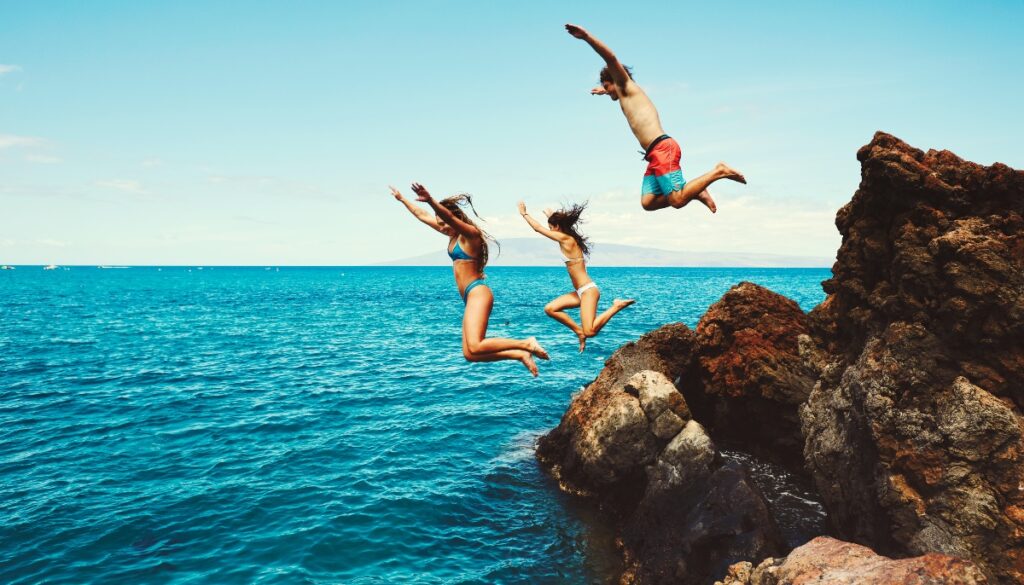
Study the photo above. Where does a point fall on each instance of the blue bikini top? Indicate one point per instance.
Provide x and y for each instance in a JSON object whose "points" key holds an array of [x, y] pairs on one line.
{"points": [[457, 253]]}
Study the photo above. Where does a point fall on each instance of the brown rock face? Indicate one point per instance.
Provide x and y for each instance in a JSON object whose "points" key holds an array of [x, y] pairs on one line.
{"points": [[826, 560], [913, 432], [751, 378], [933, 239], [606, 437], [629, 442]]}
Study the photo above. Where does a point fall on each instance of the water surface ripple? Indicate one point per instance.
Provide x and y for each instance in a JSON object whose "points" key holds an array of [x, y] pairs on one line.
{"points": [[307, 425]]}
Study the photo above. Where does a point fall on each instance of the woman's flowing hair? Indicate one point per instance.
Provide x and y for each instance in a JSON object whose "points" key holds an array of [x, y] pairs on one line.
{"points": [[567, 219], [454, 204]]}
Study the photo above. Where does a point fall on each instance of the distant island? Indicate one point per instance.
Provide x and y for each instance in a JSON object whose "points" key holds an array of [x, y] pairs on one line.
{"points": [[540, 252]]}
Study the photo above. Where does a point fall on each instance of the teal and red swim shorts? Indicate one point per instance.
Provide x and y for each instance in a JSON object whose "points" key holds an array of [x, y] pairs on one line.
{"points": [[663, 174]]}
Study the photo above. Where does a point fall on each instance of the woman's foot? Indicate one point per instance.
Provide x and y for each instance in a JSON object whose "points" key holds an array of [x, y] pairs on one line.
{"points": [[536, 349], [531, 365], [730, 173], [623, 303], [583, 341]]}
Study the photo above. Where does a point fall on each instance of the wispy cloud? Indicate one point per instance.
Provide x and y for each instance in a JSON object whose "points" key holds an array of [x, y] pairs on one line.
{"points": [[126, 185], [43, 159], [5, 69], [53, 243], [14, 141], [151, 162]]}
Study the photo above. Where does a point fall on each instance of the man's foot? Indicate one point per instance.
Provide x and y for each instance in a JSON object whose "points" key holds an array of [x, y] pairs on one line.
{"points": [[583, 341], [536, 349], [705, 198], [623, 303], [531, 365], [730, 173]]}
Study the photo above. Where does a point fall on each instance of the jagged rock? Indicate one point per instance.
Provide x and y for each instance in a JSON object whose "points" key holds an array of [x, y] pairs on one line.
{"points": [[913, 431], [827, 560], [751, 377], [617, 425], [689, 532], [682, 514], [908, 380]]}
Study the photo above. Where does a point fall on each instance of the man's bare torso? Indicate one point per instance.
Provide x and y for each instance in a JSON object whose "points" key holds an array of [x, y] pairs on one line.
{"points": [[641, 114]]}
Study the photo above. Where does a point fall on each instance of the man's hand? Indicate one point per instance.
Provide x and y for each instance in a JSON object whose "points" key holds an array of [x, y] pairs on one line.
{"points": [[522, 208], [421, 193], [577, 31], [395, 193], [598, 91]]}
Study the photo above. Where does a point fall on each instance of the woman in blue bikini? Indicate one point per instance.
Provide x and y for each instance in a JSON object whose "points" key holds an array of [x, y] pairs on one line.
{"points": [[467, 247], [562, 229]]}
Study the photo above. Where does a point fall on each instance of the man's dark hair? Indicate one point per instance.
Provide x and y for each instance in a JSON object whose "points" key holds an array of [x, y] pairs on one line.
{"points": [[606, 75]]}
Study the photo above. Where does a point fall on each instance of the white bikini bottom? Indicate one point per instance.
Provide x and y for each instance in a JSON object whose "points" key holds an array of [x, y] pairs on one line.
{"points": [[586, 287]]}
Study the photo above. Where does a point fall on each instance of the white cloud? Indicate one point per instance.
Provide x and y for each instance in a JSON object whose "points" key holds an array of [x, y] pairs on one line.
{"points": [[152, 162], [126, 185], [5, 69], [43, 159], [13, 141], [53, 243]]}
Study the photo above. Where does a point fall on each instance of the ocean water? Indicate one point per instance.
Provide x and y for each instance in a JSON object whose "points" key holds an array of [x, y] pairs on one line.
{"points": [[302, 425]]}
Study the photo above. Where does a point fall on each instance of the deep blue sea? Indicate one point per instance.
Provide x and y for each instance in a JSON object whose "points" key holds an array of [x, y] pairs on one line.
{"points": [[302, 425]]}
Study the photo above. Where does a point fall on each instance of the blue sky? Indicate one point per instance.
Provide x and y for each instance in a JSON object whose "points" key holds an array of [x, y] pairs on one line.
{"points": [[267, 132]]}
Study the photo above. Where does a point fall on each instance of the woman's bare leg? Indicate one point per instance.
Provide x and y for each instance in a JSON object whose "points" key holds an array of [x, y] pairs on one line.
{"points": [[474, 329], [524, 357], [556, 310], [603, 318]]}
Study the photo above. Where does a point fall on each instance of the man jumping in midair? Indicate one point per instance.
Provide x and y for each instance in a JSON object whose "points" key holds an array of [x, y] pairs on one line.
{"points": [[663, 184]]}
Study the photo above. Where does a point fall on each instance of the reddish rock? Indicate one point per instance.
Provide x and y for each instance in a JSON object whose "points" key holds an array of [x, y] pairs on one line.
{"points": [[913, 432], [834, 562], [751, 377]]}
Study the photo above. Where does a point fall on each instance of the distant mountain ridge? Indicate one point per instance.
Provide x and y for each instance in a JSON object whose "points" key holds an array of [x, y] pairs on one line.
{"points": [[541, 252]]}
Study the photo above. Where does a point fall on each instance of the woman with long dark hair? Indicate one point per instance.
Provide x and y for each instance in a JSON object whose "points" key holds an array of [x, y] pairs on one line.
{"points": [[562, 229], [467, 247]]}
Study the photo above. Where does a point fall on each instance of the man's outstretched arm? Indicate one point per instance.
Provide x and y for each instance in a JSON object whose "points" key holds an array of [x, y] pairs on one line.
{"points": [[619, 75]]}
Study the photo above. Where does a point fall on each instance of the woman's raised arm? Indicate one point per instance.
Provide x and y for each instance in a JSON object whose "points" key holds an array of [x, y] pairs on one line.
{"points": [[537, 227], [420, 213], [464, 229]]}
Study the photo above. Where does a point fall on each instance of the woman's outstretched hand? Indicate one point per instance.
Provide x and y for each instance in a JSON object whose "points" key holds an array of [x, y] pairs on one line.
{"points": [[522, 208], [421, 192], [395, 193]]}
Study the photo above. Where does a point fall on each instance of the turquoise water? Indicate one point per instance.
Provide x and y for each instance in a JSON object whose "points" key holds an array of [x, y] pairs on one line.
{"points": [[307, 425]]}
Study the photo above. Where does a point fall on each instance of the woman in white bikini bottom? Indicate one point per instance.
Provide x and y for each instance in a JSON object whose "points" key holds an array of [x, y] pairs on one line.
{"points": [[562, 229]]}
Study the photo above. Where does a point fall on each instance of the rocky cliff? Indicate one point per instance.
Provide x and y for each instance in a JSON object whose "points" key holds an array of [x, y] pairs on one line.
{"points": [[900, 395]]}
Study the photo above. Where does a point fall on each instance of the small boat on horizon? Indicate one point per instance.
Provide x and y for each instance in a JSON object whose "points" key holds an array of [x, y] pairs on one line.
{"points": [[51, 267], [6, 267]]}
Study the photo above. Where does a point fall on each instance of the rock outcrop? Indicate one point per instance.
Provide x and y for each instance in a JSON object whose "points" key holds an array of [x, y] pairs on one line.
{"points": [[611, 432], [682, 513], [901, 395], [826, 560], [913, 432], [751, 377]]}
